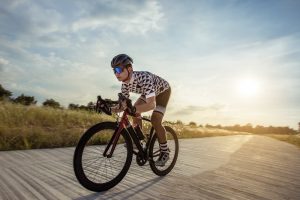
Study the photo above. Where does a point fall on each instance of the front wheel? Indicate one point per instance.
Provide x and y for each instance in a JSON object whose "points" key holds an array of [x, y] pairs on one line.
{"points": [[95, 171], [154, 152]]}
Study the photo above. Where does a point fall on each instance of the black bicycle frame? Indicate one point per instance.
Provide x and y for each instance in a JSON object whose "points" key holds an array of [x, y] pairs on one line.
{"points": [[125, 125]]}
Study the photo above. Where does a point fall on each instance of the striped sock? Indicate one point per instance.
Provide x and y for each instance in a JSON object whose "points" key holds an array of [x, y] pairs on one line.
{"points": [[164, 147]]}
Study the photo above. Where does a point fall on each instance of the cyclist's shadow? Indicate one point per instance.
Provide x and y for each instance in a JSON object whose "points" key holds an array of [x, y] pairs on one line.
{"points": [[126, 193]]}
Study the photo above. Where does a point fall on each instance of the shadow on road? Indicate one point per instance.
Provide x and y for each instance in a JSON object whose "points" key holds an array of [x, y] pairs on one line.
{"points": [[126, 193]]}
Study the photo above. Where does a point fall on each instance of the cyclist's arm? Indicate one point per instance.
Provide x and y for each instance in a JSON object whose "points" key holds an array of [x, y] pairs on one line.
{"points": [[149, 105], [125, 92], [116, 109]]}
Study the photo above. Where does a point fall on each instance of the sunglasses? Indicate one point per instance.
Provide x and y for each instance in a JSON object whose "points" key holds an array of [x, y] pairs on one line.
{"points": [[118, 70]]}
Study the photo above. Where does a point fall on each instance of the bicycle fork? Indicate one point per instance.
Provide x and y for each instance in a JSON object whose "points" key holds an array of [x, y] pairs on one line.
{"points": [[112, 142]]}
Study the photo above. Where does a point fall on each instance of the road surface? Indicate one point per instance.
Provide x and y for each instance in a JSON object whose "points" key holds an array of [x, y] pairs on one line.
{"points": [[228, 167]]}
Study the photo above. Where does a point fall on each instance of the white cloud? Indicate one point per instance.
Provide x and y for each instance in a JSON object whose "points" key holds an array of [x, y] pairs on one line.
{"points": [[3, 62], [211, 79], [45, 21], [138, 19], [192, 109], [13, 3]]}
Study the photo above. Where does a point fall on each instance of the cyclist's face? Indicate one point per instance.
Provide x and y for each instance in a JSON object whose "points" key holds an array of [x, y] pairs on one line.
{"points": [[122, 74]]}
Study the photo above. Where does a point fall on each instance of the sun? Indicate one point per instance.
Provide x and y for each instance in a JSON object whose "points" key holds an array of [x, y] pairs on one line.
{"points": [[248, 87]]}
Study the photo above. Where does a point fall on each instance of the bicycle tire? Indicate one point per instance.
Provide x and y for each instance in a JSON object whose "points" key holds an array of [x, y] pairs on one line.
{"points": [[81, 172], [154, 150]]}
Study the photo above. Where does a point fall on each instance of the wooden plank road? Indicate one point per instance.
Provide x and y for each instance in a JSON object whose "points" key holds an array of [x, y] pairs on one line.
{"points": [[228, 167]]}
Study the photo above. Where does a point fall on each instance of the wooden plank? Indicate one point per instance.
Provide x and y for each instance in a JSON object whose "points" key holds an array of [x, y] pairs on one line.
{"points": [[231, 167]]}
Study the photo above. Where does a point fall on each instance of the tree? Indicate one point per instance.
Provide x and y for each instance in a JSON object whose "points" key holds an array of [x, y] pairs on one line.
{"points": [[51, 103], [248, 128], [193, 124], [179, 122], [209, 126], [4, 94], [25, 100], [91, 106], [73, 106], [83, 107]]}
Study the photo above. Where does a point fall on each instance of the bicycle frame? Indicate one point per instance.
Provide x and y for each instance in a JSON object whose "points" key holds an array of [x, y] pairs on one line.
{"points": [[95, 177], [125, 124]]}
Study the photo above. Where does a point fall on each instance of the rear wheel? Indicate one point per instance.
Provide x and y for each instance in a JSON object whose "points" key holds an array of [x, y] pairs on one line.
{"points": [[154, 152], [94, 171]]}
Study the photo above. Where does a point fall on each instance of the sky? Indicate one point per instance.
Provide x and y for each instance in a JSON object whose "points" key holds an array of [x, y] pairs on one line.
{"points": [[228, 61]]}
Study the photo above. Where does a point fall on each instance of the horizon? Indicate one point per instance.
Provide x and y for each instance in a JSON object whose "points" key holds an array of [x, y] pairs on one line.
{"points": [[186, 123], [228, 62]]}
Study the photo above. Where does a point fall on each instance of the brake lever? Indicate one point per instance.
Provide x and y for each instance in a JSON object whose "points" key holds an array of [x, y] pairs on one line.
{"points": [[121, 99], [101, 106], [98, 103]]}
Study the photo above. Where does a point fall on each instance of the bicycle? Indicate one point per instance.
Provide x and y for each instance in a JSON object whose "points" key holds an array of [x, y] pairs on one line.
{"points": [[104, 153]]}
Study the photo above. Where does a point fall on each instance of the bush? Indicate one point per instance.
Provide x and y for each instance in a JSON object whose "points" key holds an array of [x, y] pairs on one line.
{"points": [[25, 100], [51, 103], [4, 94]]}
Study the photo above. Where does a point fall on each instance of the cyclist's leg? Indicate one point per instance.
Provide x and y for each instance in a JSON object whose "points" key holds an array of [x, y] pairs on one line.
{"points": [[158, 114], [137, 120], [156, 119]]}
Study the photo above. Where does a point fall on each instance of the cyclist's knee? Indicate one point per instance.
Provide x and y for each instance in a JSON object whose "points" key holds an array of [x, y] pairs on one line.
{"points": [[156, 121], [137, 116], [136, 120]]}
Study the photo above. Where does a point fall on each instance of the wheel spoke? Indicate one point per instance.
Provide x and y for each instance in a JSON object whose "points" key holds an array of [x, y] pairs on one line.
{"points": [[173, 152], [100, 169]]}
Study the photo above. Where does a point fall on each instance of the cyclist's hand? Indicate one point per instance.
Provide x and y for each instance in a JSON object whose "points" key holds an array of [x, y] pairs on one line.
{"points": [[132, 111], [102, 106], [123, 105]]}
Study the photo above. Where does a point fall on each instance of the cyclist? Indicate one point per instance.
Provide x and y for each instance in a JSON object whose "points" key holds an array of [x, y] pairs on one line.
{"points": [[155, 93]]}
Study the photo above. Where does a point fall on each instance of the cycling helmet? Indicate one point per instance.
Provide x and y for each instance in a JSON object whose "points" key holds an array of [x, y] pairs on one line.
{"points": [[121, 59]]}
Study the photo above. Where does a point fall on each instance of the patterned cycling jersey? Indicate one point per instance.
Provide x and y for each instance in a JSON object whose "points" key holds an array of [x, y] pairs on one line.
{"points": [[145, 83]]}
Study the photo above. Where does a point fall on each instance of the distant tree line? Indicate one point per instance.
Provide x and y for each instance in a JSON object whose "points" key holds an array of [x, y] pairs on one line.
{"points": [[6, 95], [73, 106], [242, 128], [255, 129]]}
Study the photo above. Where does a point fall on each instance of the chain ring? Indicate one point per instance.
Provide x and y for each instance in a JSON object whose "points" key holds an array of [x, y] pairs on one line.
{"points": [[141, 160]]}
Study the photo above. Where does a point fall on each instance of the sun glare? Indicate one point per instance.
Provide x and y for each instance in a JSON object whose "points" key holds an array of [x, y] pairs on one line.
{"points": [[248, 87]]}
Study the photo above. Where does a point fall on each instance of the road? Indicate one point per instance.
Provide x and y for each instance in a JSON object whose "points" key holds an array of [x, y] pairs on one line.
{"points": [[228, 167]]}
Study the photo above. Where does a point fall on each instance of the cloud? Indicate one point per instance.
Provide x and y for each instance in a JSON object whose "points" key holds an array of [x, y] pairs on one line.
{"points": [[3, 62], [138, 18], [30, 25], [190, 110], [27, 18], [50, 76]]}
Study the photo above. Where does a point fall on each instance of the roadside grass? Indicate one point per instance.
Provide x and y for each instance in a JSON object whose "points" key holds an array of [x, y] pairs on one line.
{"points": [[185, 131], [292, 139], [33, 127]]}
